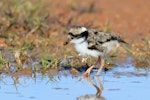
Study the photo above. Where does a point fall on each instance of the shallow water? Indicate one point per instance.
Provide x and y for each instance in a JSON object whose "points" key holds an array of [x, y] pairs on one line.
{"points": [[124, 82]]}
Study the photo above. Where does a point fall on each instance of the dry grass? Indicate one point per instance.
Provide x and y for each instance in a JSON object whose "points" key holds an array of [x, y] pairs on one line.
{"points": [[141, 54], [30, 33]]}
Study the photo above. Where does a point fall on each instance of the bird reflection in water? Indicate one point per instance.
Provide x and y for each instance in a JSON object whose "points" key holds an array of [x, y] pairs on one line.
{"points": [[99, 90]]}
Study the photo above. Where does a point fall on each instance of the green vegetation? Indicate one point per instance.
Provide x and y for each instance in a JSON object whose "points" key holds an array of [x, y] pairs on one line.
{"points": [[49, 62], [2, 61], [23, 24], [33, 33]]}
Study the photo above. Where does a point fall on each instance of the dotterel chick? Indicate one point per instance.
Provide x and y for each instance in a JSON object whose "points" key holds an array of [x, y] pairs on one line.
{"points": [[91, 42]]}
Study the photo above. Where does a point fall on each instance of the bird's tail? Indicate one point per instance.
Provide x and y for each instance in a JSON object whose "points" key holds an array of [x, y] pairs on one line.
{"points": [[121, 40]]}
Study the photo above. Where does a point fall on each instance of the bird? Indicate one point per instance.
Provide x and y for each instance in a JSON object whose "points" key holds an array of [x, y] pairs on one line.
{"points": [[94, 43]]}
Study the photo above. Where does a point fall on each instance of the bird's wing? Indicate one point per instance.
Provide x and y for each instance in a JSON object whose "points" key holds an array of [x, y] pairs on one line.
{"points": [[97, 38]]}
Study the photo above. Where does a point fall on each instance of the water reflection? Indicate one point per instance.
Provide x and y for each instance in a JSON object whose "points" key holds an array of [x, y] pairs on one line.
{"points": [[90, 97], [65, 86], [99, 90]]}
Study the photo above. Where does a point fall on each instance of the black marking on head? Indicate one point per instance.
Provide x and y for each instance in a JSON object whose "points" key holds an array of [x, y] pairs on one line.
{"points": [[71, 34], [85, 34]]}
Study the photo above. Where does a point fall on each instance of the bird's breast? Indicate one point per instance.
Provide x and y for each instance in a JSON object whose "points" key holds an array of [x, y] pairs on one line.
{"points": [[82, 49]]}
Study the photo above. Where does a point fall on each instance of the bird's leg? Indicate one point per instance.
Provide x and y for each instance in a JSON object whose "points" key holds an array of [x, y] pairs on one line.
{"points": [[87, 73], [99, 92], [98, 89], [100, 68], [92, 83]]}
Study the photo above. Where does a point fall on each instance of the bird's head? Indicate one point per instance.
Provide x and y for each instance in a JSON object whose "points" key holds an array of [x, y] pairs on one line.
{"points": [[76, 35]]}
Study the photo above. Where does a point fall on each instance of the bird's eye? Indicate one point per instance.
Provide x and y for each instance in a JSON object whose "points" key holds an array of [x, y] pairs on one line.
{"points": [[71, 37]]}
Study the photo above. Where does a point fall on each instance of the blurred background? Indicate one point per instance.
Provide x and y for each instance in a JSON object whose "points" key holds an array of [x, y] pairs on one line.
{"points": [[32, 33], [32, 24]]}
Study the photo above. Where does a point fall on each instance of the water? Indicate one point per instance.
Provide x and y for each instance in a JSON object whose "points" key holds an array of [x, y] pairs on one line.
{"points": [[124, 82]]}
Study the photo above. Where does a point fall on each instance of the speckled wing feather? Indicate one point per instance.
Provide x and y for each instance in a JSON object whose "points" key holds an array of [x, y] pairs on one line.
{"points": [[97, 38]]}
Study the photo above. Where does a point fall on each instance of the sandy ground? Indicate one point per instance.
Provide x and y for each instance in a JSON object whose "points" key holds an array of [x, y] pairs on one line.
{"points": [[130, 18]]}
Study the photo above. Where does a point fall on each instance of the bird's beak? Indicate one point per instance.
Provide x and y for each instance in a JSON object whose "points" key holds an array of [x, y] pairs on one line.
{"points": [[67, 41]]}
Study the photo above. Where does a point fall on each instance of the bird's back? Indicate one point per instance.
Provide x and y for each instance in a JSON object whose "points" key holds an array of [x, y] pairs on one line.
{"points": [[102, 41]]}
